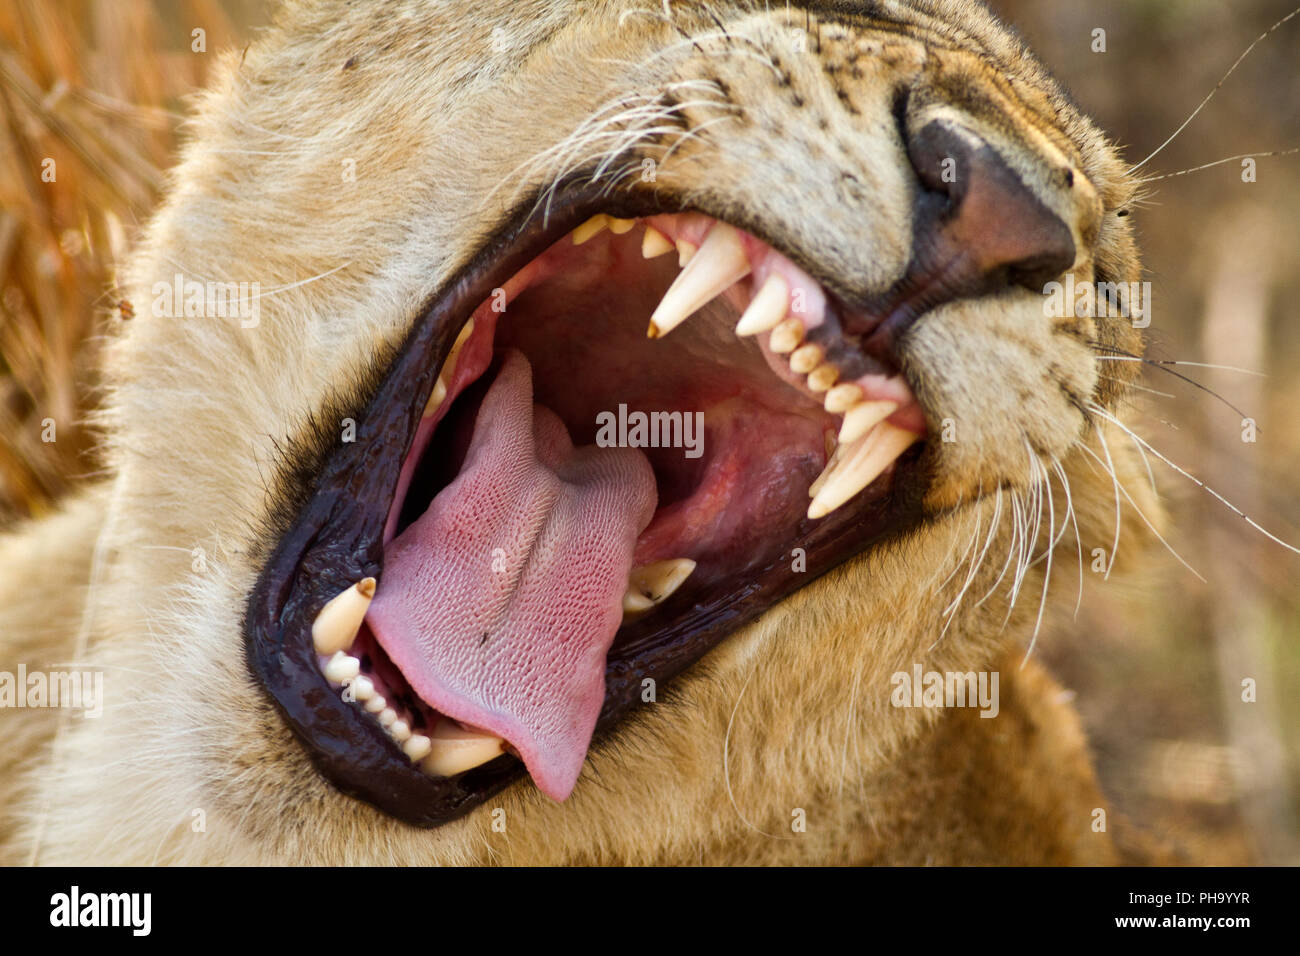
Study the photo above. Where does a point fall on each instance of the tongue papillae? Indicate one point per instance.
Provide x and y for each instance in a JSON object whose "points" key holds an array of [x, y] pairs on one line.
{"points": [[500, 603]]}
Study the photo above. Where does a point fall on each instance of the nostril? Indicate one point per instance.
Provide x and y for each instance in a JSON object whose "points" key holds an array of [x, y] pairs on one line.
{"points": [[978, 219]]}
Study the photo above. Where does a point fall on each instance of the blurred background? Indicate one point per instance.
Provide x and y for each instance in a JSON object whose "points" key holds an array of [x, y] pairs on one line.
{"points": [[100, 87]]}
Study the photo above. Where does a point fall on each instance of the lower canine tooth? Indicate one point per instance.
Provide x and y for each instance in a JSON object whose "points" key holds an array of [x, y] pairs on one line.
{"points": [[863, 417], [654, 243], [592, 227], [454, 750], [823, 377], [861, 465], [342, 667], [651, 584], [806, 358], [417, 747], [786, 336], [767, 308], [842, 397], [335, 627], [720, 263], [620, 226]]}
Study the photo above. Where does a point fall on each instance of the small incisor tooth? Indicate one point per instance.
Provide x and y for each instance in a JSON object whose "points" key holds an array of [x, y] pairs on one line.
{"points": [[860, 466], [400, 731], [335, 627], [806, 358], [767, 308], [720, 263], [786, 336], [417, 747], [592, 227], [342, 667], [685, 252], [376, 704], [863, 417], [842, 397], [454, 750], [822, 377], [653, 583], [620, 226], [654, 243]]}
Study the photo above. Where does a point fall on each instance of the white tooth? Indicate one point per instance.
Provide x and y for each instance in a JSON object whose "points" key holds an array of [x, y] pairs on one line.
{"points": [[387, 717], [435, 397], [454, 750], [335, 627], [862, 465], [651, 584], [823, 377], [720, 263], [363, 688], [786, 336], [843, 397], [342, 666], [863, 417], [837, 455], [400, 731], [620, 226], [806, 358], [767, 308], [417, 747], [439, 393], [654, 243], [592, 227], [685, 252], [375, 704]]}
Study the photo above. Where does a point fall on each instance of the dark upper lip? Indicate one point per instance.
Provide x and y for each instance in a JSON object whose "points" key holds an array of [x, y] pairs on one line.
{"points": [[332, 536]]}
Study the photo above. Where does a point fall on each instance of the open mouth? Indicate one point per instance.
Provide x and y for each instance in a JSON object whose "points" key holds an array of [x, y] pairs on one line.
{"points": [[546, 513]]}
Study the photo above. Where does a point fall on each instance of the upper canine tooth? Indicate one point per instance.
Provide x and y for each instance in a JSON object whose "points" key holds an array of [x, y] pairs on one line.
{"points": [[786, 336], [654, 243], [806, 358], [863, 417], [767, 308], [335, 627], [823, 377], [720, 263], [592, 227], [842, 397], [861, 465], [342, 667], [454, 750], [653, 583], [620, 226]]}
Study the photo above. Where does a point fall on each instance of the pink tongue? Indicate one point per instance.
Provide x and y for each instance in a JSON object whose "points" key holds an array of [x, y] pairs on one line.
{"points": [[500, 603]]}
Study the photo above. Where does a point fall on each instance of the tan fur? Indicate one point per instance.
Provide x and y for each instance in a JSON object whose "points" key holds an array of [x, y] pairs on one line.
{"points": [[453, 114]]}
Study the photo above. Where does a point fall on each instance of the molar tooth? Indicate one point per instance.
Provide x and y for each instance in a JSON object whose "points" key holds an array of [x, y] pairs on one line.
{"points": [[400, 731], [417, 747], [342, 667], [823, 377], [654, 243], [842, 397], [786, 336], [653, 583], [719, 264], [768, 307], [620, 226], [335, 627], [592, 227], [376, 704], [685, 252], [454, 750], [806, 358], [861, 465], [863, 417]]}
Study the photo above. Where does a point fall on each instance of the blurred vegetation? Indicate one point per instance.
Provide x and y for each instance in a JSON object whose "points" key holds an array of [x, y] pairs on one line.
{"points": [[99, 88]]}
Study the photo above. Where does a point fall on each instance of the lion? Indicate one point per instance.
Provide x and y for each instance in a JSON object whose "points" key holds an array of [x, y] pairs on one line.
{"points": [[382, 571]]}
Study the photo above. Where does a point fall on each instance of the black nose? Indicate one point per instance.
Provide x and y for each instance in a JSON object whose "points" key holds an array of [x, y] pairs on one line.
{"points": [[978, 226]]}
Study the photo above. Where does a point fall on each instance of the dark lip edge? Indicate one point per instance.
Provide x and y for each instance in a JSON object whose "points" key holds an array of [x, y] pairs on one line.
{"points": [[308, 564]]}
